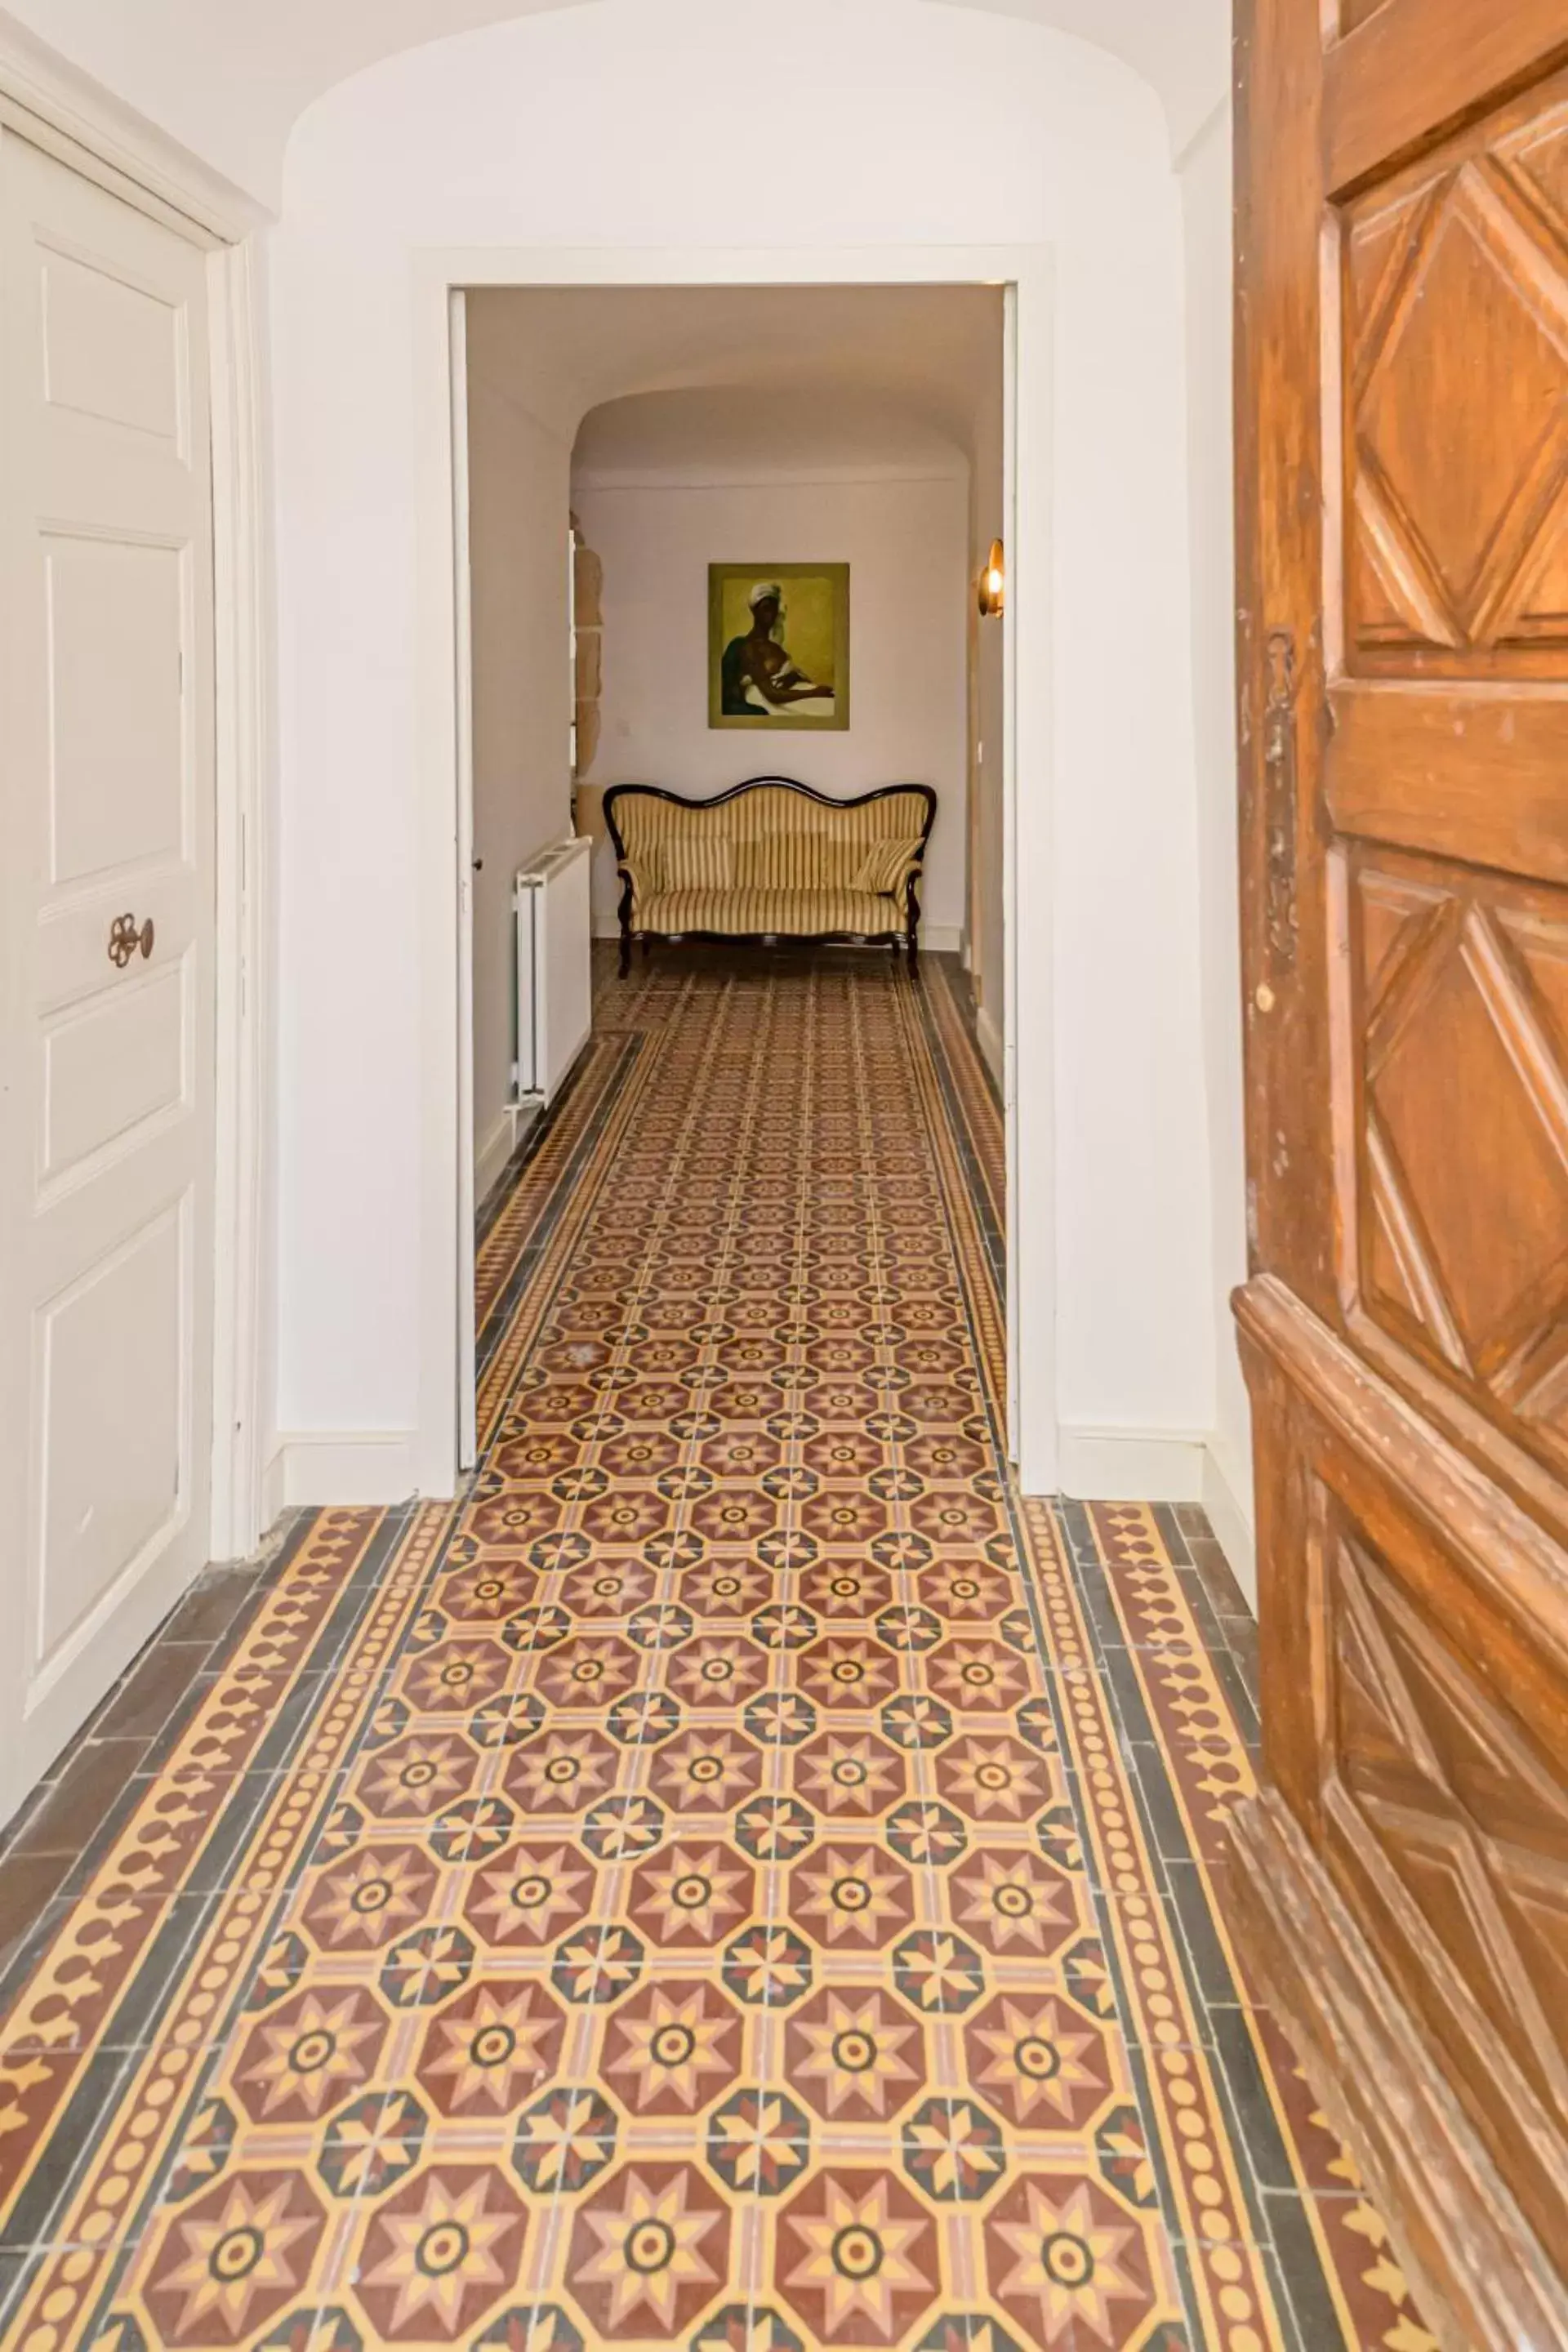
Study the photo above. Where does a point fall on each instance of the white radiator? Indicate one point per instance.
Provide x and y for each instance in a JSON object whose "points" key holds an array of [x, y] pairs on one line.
{"points": [[554, 988]]}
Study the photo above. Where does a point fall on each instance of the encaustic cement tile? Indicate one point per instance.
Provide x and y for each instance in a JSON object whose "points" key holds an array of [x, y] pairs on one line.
{"points": [[700, 1891]]}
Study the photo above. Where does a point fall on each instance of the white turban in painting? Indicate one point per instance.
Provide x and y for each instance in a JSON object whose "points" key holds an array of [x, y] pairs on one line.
{"points": [[760, 594]]}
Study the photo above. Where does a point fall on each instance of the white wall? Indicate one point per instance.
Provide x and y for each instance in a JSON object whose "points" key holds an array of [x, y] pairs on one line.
{"points": [[906, 545], [988, 521], [1206, 181], [519, 505], [620, 124]]}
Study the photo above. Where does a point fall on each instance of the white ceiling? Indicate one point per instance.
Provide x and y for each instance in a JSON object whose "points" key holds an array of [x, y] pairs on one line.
{"points": [[715, 367], [808, 433], [229, 77]]}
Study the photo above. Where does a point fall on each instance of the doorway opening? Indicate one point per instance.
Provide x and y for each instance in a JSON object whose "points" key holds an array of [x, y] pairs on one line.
{"points": [[684, 516]]}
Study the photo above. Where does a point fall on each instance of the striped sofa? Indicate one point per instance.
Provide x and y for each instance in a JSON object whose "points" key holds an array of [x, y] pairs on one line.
{"points": [[769, 859]]}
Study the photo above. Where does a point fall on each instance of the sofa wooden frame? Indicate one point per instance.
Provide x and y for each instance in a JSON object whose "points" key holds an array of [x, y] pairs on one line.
{"points": [[908, 936]]}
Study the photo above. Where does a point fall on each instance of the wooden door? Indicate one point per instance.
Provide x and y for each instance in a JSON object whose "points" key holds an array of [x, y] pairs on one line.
{"points": [[1401, 310], [106, 943]]}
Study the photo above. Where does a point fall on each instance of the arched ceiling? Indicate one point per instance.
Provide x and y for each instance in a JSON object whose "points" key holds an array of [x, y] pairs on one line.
{"points": [[815, 431], [228, 78], [920, 357]]}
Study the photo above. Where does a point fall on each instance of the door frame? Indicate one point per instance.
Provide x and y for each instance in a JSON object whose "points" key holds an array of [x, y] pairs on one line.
{"points": [[1024, 273], [46, 102]]}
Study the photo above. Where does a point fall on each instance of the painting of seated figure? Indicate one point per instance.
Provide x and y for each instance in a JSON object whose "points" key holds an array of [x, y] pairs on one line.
{"points": [[778, 645]]}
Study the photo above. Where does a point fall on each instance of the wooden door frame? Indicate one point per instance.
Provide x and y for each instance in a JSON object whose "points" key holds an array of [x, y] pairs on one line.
{"points": [[1024, 273], [67, 116]]}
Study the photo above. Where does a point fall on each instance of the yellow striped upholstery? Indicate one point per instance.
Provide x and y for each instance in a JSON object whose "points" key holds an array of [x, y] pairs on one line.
{"points": [[885, 865], [796, 861], [695, 861], [794, 913], [769, 860]]}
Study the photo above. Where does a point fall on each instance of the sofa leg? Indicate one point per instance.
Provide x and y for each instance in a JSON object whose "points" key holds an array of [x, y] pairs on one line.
{"points": [[626, 953], [647, 945]]}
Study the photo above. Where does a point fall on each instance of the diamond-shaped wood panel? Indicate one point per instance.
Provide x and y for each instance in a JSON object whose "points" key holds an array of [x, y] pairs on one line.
{"points": [[1462, 1106], [1455, 316]]}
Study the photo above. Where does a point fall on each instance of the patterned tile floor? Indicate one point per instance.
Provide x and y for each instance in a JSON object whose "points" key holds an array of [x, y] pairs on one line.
{"points": [[739, 1879]]}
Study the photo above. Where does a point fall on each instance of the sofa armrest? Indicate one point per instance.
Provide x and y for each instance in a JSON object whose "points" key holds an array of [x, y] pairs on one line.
{"points": [[638, 882], [889, 867]]}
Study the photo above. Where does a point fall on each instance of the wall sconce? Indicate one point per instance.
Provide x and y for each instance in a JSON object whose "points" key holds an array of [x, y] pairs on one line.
{"points": [[994, 582]]}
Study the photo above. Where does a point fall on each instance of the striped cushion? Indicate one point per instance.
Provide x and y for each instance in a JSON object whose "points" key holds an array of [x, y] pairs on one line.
{"points": [[696, 861], [796, 861], [746, 914], [885, 867]]}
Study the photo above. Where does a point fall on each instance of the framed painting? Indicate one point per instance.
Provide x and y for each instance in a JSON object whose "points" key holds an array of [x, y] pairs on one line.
{"points": [[778, 645]]}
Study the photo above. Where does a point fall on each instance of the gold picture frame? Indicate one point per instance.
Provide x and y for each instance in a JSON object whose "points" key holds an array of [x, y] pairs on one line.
{"points": [[778, 647]]}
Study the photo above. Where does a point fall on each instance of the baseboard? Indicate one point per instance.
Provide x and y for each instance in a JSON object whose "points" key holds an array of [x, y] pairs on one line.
{"points": [[988, 1037], [340, 1465], [274, 1501], [1130, 1465], [493, 1154], [1227, 1500], [1479, 2272]]}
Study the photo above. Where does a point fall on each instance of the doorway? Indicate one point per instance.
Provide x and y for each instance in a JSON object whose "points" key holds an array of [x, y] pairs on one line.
{"points": [[657, 430]]}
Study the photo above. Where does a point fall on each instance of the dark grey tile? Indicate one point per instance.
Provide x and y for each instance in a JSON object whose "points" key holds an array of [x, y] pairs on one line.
{"points": [[243, 1799], [140, 2007], [30, 2221], [28, 1884], [1290, 2325], [1163, 1816], [1208, 1624], [75, 1810], [1243, 1641], [213, 1603], [1126, 1690], [1253, 2110], [15, 2270], [1306, 2290], [1228, 1674], [158, 1687], [1211, 1969], [1168, 1520], [1218, 1578]]}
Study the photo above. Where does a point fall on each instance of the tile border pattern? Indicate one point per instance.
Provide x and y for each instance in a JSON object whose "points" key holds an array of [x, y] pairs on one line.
{"points": [[124, 1995]]}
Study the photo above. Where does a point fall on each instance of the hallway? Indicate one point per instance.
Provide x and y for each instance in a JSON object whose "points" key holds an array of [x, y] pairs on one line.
{"points": [[738, 1879]]}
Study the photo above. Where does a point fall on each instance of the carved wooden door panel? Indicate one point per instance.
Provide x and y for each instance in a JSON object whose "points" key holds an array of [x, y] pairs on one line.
{"points": [[1402, 313]]}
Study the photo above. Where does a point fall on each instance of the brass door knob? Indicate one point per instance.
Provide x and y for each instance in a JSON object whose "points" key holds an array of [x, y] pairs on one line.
{"points": [[124, 938]]}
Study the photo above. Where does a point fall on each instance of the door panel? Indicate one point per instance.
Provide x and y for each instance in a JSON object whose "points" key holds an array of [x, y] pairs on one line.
{"points": [[112, 349], [107, 923], [118, 777], [1459, 994], [1403, 588], [103, 1506], [110, 1069], [1455, 289]]}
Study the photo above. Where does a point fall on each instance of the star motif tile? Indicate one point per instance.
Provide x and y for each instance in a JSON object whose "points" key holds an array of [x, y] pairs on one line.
{"points": [[674, 1911]]}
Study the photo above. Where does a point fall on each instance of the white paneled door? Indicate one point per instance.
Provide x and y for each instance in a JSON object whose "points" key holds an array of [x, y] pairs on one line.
{"points": [[106, 943]]}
